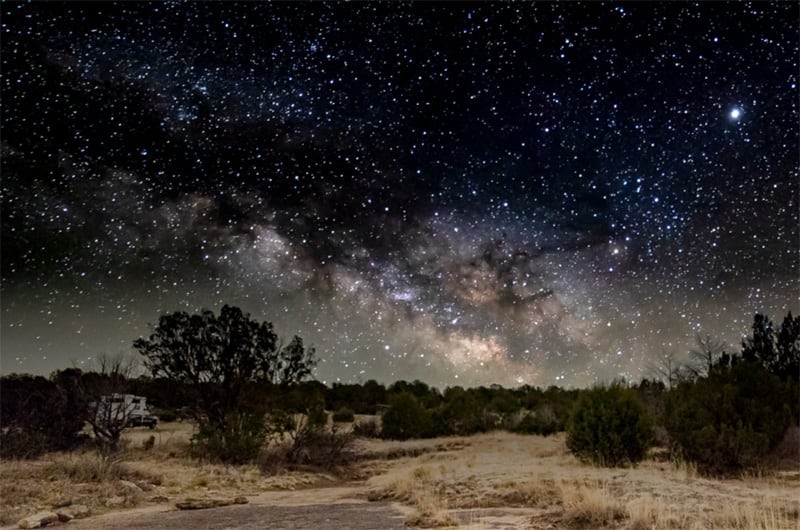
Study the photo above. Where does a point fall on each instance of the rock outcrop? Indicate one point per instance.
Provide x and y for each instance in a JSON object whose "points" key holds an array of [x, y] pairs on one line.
{"points": [[203, 504], [73, 511]]}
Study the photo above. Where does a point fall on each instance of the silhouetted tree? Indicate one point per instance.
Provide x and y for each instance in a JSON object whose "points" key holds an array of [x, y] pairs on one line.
{"points": [[671, 371], [38, 415], [788, 346], [651, 394], [293, 363], [760, 347], [374, 395], [778, 351], [362, 399], [503, 401], [219, 356], [461, 412], [428, 397], [731, 419]]}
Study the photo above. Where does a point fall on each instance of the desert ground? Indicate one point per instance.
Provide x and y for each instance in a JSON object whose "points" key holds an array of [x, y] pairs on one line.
{"points": [[489, 481]]}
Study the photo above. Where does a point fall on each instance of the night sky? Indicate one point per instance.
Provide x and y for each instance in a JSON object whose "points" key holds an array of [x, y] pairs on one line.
{"points": [[461, 193]]}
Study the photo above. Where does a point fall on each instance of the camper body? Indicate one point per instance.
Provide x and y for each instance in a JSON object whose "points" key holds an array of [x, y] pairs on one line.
{"points": [[126, 409]]}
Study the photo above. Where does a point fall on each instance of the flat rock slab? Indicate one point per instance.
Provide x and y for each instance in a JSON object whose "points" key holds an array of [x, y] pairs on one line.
{"points": [[350, 516]]}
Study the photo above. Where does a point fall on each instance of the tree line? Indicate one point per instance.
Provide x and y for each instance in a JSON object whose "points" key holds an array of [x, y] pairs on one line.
{"points": [[241, 386]]}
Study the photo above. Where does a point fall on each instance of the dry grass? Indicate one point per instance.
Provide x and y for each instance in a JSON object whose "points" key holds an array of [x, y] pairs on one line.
{"points": [[422, 492], [506, 479], [590, 505], [166, 473], [81, 477], [653, 512], [762, 514], [486, 481]]}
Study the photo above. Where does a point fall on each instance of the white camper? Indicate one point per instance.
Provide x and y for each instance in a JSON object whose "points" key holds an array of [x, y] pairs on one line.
{"points": [[126, 409]]}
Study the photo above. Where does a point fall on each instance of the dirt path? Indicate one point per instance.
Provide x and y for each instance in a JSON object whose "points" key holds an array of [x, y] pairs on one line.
{"points": [[329, 508]]}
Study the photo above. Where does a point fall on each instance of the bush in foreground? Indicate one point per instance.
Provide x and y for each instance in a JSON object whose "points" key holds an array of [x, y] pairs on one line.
{"points": [[307, 444], [239, 442], [609, 427], [730, 420]]}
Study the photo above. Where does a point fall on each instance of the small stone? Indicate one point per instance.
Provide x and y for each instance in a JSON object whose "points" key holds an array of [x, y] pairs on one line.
{"points": [[78, 511], [129, 486], [64, 517], [115, 501], [144, 486], [159, 499], [38, 520]]}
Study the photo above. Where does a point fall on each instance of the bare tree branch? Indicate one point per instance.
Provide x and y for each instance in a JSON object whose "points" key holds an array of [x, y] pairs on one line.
{"points": [[669, 370], [705, 354], [109, 412]]}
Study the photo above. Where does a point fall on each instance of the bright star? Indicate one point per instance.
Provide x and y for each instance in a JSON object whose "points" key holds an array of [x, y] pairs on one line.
{"points": [[735, 114]]}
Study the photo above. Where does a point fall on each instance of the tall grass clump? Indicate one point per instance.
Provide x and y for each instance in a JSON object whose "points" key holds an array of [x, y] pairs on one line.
{"points": [[590, 505]]}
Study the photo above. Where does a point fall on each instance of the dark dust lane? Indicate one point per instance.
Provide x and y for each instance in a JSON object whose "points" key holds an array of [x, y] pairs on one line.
{"points": [[355, 516]]}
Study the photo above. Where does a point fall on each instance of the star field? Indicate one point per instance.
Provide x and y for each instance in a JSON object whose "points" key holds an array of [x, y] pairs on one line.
{"points": [[460, 193]]}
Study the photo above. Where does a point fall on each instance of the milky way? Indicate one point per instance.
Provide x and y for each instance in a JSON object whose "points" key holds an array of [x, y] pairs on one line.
{"points": [[460, 193]]}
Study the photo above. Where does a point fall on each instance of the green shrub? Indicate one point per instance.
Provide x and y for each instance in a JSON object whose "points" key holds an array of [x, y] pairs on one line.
{"points": [[324, 448], [240, 442], [405, 418], [344, 415], [609, 427], [20, 443], [730, 420]]}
